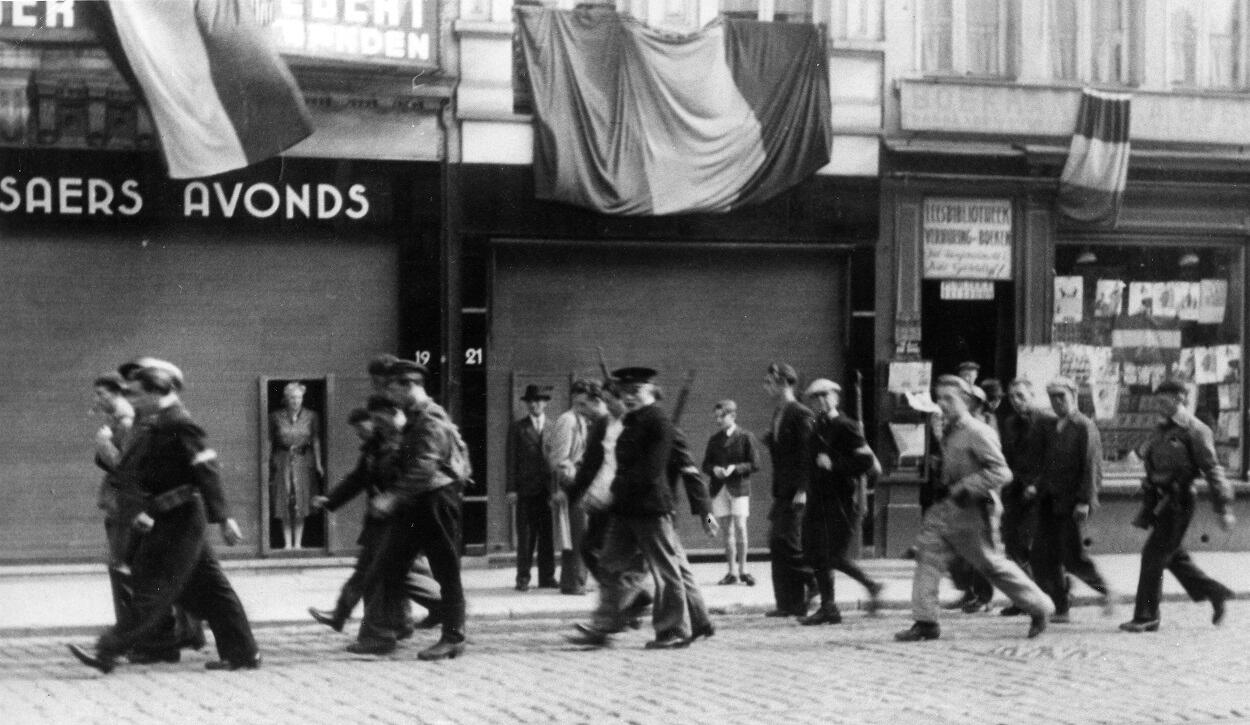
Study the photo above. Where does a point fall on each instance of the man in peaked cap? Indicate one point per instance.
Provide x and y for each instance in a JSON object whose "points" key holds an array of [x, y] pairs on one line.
{"points": [[529, 489]]}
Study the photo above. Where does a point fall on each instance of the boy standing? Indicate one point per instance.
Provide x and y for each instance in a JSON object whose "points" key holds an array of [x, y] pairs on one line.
{"points": [[732, 456]]}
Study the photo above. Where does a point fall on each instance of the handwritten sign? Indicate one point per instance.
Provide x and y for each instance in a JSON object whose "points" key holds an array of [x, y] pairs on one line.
{"points": [[967, 238]]}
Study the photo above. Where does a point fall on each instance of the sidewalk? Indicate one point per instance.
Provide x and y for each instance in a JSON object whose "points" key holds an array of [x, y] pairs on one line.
{"points": [[75, 598]]}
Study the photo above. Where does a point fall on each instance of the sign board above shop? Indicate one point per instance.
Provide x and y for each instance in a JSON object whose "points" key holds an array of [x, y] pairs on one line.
{"points": [[374, 32], [967, 238]]}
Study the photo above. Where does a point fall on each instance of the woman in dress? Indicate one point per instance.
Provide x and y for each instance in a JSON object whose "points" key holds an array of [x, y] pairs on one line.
{"points": [[295, 467]]}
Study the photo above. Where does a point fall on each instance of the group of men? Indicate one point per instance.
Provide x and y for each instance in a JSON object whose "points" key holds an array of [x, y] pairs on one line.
{"points": [[1040, 485]]}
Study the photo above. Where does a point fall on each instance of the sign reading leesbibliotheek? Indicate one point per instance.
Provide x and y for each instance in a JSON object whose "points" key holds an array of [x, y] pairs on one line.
{"points": [[967, 238]]}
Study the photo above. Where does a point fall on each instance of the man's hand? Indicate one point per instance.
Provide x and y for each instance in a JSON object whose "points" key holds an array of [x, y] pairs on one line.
{"points": [[559, 498], [710, 527], [961, 496], [143, 522], [824, 461], [1080, 513], [104, 436], [1228, 520], [800, 500], [318, 502], [382, 505], [510, 497], [230, 532], [1030, 492]]}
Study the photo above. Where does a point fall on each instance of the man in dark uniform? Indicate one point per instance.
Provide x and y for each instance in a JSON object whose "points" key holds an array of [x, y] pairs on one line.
{"points": [[1067, 490], [1021, 436], [376, 468], [788, 439], [529, 490], [640, 521], [1180, 449], [422, 512], [840, 457], [177, 474]]}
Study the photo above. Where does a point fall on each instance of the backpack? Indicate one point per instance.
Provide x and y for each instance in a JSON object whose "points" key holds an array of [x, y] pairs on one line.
{"points": [[458, 465]]}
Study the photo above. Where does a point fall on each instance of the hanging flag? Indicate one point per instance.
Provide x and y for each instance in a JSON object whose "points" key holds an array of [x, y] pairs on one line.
{"points": [[1093, 179], [220, 96], [632, 120]]}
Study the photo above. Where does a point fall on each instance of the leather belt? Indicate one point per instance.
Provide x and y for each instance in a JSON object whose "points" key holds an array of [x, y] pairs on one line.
{"points": [[172, 498]]}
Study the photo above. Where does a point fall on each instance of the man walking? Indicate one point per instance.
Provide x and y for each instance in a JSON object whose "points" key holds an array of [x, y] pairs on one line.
{"points": [[788, 439], [964, 517], [1071, 475], [1021, 434], [840, 457], [176, 473], [529, 490], [1180, 449], [731, 457]]}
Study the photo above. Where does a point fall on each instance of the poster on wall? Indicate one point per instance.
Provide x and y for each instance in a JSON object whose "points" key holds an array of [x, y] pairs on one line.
{"points": [[1038, 363], [1108, 297], [1214, 295], [910, 376], [1190, 301], [1166, 299], [1141, 301], [967, 238], [1069, 299]]}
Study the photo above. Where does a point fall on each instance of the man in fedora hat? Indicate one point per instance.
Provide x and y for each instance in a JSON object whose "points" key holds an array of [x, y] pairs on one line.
{"points": [[529, 489]]}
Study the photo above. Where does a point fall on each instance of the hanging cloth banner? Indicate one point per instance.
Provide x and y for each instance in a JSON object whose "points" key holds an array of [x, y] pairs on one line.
{"points": [[221, 97], [634, 121], [1093, 179]]}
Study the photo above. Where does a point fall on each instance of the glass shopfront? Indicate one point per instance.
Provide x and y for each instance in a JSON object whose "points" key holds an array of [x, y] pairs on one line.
{"points": [[1128, 316]]}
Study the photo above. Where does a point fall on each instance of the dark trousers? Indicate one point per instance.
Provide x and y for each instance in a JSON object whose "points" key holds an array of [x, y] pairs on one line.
{"points": [[534, 529], [174, 564], [430, 525], [830, 524], [572, 568], [1164, 550], [592, 542], [1059, 550], [419, 585], [1017, 527], [790, 572]]}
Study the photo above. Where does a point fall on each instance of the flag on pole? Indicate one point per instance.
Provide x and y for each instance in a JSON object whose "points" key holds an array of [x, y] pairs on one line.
{"points": [[220, 96], [1093, 179], [635, 121]]}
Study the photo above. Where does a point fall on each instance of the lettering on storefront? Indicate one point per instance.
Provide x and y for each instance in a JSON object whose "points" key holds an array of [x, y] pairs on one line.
{"points": [[391, 31], [967, 239], [48, 14], [74, 196]]}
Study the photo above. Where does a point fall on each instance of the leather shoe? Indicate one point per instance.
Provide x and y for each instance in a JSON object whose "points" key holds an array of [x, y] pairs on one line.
{"points": [[748, 579], [822, 616], [326, 618], [371, 648], [588, 636], [1137, 626], [574, 592], [976, 605], [727, 580], [552, 584], [252, 663], [707, 630], [404, 633], [670, 641], [441, 650], [1217, 607], [522, 586], [432, 620], [1011, 611], [874, 597], [103, 663], [151, 658], [1037, 625], [919, 632]]}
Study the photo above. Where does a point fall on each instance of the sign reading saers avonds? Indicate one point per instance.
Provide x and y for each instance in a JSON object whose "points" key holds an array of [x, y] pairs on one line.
{"points": [[967, 238], [78, 196]]}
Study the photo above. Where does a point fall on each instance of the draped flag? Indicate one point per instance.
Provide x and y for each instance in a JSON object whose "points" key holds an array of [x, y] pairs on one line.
{"points": [[1093, 179], [220, 96], [634, 121]]}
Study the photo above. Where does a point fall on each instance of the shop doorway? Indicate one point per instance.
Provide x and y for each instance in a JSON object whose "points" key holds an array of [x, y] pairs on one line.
{"points": [[294, 462], [955, 330]]}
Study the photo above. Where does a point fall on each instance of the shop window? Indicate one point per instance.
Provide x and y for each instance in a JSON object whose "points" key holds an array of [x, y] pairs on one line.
{"points": [[1205, 43], [1128, 317], [1089, 40], [966, 37]]}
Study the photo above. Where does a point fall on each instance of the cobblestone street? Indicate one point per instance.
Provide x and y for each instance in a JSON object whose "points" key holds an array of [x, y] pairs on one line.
{"points": [[755, 670]]}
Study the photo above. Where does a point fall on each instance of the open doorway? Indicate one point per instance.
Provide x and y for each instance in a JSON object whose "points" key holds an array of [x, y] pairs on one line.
{"points": [[293, 451], [981, 331]]}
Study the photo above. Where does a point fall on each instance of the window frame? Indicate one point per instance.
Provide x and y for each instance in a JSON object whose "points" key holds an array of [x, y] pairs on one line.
{"points": [[1084, 45], [1202, 50], [960, 51]]}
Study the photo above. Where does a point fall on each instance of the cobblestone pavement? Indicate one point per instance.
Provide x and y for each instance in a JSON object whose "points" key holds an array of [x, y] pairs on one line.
{"points": [[755, 670]]}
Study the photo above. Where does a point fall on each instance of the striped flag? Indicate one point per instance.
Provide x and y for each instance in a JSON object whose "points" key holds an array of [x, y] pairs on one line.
{"points": [[220, 95], [1093, 179], [634, 121]]}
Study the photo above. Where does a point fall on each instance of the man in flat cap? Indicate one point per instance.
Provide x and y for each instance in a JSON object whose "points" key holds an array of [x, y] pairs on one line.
{"points": [[839, 459], [1021, 433], [1180, 449], [969, 371], [787, 439], [177, 474], [963, 519], [422, 513], [529, 489], [1067, 491]]}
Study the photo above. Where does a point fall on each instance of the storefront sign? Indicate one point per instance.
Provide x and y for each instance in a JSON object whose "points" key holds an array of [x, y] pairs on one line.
{"points": [[76, 196], [375, 31], [967, 239], [954, 289], [47, 20]]}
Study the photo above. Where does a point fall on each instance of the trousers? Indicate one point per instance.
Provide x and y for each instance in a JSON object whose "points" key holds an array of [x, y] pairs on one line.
{"points": [[419, 584], [792, 577], [1059, 549], [631, 546], [534, 530], [1164, 550]]}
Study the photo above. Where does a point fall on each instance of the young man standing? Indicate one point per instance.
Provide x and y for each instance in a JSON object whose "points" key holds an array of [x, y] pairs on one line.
{"points": [[963, 519], [732, 456], [788, 438]]}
